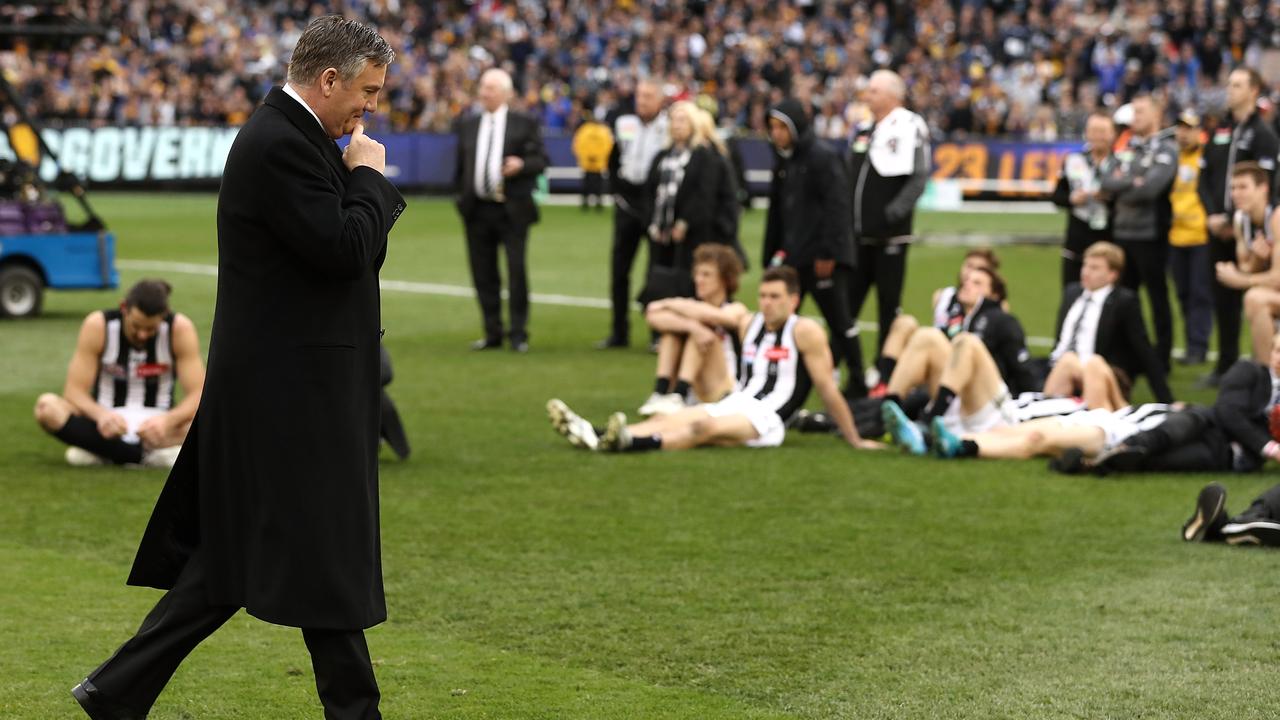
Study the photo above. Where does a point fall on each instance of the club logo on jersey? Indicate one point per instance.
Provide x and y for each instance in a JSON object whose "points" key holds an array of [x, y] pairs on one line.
{"points": [[147, 370], [777, 354]]}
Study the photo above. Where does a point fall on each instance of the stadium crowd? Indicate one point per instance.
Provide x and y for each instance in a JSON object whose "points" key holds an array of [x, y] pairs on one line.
{"points": [[1031, 69]]}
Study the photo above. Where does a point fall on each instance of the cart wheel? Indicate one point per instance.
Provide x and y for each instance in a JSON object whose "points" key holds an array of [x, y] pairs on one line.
{"points": [[21, 291]]}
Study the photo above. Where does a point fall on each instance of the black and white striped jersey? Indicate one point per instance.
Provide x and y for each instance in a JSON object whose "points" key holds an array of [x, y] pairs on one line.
{"points": [[136, 377], [773, 370]]}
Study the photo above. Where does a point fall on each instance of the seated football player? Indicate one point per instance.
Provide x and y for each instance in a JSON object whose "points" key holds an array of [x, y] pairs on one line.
{"points": [[118, 405], [784, 356], [948, 316], [698, 341]]}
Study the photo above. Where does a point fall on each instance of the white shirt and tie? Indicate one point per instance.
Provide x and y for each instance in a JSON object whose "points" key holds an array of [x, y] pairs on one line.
{"points": [[1080, 326], [489, 153]]}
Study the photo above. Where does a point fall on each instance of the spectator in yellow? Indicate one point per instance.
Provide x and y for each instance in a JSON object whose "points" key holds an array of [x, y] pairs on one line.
{"points": [[1189, 241], [592, 143]]}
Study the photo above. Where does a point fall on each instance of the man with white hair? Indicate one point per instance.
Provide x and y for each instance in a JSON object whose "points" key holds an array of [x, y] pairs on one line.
{"points": [[888, 169], [500, 155]]}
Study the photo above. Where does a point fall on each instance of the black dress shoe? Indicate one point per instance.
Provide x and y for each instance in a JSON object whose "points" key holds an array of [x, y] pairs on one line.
{"points": [[520, 346], [1192, 358], [613, 342], [98, 707], [1121, 458], [486, 344]]}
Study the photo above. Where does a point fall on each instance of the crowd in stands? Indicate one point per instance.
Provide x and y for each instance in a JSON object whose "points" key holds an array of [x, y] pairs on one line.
{"points": [[1028, 69]]}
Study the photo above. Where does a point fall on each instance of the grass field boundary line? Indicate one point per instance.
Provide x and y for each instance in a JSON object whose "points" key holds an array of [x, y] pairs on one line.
{"points": [[425, 288]]}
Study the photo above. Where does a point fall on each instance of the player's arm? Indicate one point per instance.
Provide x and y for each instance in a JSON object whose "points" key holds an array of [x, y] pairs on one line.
{"points": [[811, 339], [727, 317], [186, 354], [82, 373]]}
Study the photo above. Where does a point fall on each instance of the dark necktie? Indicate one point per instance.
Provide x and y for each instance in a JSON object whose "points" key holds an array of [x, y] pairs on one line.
{"points": [[1073, 339]]}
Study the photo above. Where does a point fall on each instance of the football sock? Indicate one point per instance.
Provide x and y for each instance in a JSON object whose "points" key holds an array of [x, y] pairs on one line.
{"points": [[662, 385], [885, 366], [83, 433], [968, 448], [940, 403], [682, 388]]}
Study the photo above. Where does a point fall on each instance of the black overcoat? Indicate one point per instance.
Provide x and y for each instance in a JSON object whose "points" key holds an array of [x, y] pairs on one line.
{"points": [[277, 482]]}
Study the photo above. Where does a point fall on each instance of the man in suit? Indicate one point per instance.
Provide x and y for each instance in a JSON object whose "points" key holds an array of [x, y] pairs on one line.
{"points": [[273, 507], [500, 156], [1102, 341]]}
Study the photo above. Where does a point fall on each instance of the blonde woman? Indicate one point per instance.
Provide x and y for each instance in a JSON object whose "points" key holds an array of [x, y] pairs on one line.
{"points": [[682, 191]]}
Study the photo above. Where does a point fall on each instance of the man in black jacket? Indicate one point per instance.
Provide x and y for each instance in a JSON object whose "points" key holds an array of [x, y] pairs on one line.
{"points": [[638, 137], [1102, 342], [273, 506], [889, 169], [1246, 137], [500, 155], [808, 229]]}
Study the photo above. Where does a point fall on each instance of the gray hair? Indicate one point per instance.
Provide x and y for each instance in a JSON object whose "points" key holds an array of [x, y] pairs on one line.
{"points": [[892, 82], [502, 77], [333, 41]]}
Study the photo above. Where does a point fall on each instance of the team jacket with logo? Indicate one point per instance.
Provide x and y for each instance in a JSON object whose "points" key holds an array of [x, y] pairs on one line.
{"points": [[889, 168]]}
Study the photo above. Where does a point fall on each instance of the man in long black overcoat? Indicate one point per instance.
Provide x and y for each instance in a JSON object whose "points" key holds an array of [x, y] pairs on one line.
{"points": [[272, 505]]}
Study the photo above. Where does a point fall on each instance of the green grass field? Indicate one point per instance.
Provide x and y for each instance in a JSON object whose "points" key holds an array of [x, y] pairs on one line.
{"points": [[529, 580]]}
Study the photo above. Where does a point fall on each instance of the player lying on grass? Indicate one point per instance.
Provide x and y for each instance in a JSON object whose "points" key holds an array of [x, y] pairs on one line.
{"points": [[783, 357], [949, 316], [1237, 434], [117, 405], [698, 342], [1088, 432]]}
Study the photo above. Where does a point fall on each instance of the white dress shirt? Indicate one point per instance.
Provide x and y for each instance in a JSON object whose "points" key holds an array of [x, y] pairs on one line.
{"points": [[288, 90], [1086, 334], [489, 146]]}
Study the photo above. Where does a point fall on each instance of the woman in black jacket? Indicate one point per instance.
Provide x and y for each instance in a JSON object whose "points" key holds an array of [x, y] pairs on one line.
{"points": [[682, 192]]}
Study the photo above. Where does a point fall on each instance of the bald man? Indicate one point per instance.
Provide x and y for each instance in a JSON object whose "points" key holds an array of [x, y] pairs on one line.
{"points": [[500, 155], [888, 170]]}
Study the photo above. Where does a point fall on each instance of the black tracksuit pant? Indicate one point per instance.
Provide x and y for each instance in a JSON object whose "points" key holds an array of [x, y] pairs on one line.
{"points": [[885, 266], [831, 294], [629, 232], [134, 676]]}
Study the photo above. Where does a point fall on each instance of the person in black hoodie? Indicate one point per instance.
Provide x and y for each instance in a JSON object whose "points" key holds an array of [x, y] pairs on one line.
{"points": [[807, 228]]}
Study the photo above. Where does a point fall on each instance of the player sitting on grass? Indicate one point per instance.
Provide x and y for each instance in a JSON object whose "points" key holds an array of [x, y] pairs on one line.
{"points": [[117, 404], [698, 345], [972, 378], [783, 357], [949, 316]]}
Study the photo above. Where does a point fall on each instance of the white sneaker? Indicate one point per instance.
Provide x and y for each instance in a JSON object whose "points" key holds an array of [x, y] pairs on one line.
{"points": [[79, 457], [572, 426], [161, 457], [662, 404], [616, 435]]}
